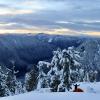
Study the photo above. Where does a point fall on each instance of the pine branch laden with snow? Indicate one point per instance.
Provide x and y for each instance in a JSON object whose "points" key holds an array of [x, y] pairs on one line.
{"points": [[9, 85], [63, 70], [31, 80]]}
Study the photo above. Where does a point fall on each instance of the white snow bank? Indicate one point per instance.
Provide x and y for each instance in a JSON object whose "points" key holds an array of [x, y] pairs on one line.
{"points": [[91, 92], [54, 96], [90, 87]]}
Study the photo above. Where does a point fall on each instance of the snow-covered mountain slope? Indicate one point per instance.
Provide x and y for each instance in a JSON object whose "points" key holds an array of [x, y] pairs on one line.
{"points": [[91, 91], [27, 49], [90, 53]]}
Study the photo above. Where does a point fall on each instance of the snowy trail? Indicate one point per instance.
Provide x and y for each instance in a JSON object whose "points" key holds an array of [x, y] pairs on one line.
{"points": [[54, 96]]}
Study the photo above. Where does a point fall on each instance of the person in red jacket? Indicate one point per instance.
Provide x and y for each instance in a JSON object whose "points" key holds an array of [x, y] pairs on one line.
{"points": [[76, 89]]}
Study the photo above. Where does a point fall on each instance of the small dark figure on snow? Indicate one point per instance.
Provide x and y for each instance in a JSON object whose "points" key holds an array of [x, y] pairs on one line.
{"points": [[76, 89]]}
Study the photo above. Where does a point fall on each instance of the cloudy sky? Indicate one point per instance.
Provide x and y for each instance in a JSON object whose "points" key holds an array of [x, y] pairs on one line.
{"points": [[72, 17]]}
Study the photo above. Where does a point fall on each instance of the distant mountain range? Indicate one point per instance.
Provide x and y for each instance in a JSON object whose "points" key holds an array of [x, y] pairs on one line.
{"points": [[27, 49]]}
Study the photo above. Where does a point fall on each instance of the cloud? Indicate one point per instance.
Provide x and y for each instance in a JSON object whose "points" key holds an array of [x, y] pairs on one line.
{"points": [[86, 25], [51, 16], [93, 33], [14, 12], [3, 6]]}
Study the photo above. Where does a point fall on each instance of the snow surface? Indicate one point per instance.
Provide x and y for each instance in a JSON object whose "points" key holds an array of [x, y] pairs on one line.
{"points": [[54, 96], [91, 92], [90, 87]]}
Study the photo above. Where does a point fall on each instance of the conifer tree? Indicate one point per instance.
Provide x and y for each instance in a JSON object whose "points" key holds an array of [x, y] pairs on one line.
{"points": [[31, 80], [4, 91], [14, 86]]}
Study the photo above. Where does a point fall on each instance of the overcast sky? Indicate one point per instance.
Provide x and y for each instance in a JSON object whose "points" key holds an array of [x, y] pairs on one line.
{"points": [[72, 17]]}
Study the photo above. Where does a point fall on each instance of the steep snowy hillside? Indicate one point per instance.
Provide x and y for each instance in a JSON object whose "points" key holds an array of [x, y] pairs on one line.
{"points": [[27, 50], [90, 53], [87, 95]]}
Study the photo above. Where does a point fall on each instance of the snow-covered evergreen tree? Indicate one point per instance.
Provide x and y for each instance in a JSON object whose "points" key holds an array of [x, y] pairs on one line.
{"points": [[62, 70], [54, 82], [31, 80], [56, 60], [4, 91], [93, 75], [15, 86], [43, 78]]}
